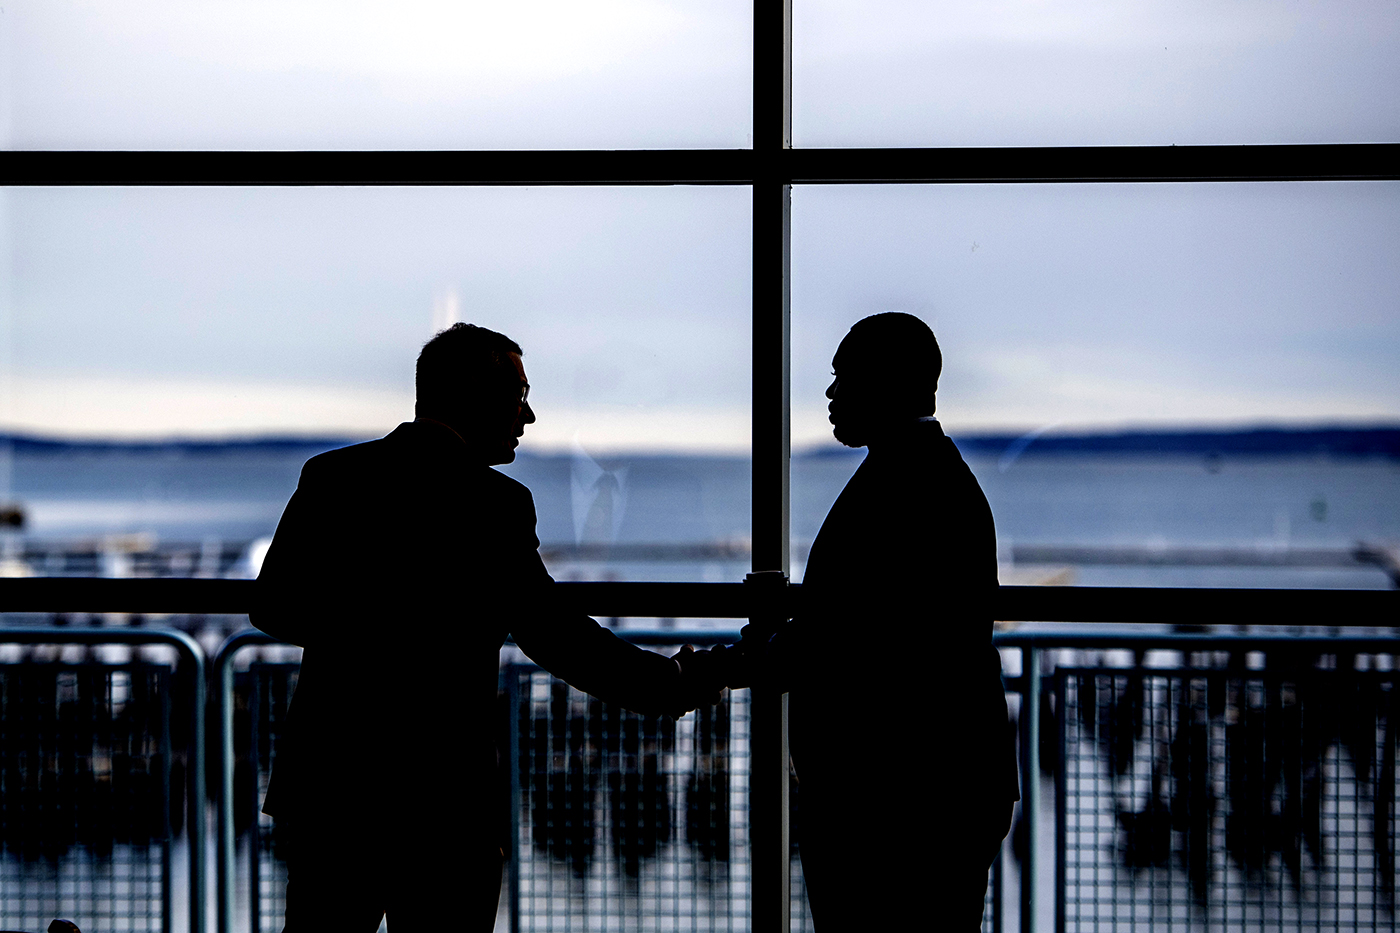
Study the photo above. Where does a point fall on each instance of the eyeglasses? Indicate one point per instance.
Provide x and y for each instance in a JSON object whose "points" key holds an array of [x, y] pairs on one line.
{"points": [[524, 393]]}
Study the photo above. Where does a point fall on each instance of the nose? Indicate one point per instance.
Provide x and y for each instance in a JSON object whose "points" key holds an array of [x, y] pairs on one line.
{"points": [[527, 414], [831, 389]]}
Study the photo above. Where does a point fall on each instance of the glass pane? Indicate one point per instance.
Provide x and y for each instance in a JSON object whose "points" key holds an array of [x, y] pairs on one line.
{"points": [[1069, 315], [288, 320], [419, 74], [1087, 72]]}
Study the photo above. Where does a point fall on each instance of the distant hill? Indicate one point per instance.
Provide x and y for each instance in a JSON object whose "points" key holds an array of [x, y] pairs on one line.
{"points": [[30, 444], [1337, 441], [1332, 441]]}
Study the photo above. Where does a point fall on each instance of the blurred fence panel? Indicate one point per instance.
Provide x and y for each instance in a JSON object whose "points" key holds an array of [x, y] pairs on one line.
{"points": [[262, 695], [88, 804], [624, 822], [1226, 797], [1199, 782], [619, 822]]}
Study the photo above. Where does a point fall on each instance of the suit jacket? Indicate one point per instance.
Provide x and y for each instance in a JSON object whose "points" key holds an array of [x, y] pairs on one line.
{"points": [[905, 567], [401, 566]]}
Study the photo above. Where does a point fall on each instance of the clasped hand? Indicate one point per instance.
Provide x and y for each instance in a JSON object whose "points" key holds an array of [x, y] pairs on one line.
{"points": [[702, 678]]}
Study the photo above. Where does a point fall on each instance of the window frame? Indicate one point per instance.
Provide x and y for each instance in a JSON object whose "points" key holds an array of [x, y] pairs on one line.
{"points": [[770, 168]]}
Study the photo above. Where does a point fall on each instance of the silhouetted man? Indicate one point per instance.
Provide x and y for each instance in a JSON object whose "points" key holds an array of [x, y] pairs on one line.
{"points": [[401, 565], [905, 766]]}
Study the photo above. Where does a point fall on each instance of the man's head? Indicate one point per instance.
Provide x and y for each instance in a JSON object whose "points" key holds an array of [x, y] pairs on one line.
{"points": [[472, 379], [886, 374]]}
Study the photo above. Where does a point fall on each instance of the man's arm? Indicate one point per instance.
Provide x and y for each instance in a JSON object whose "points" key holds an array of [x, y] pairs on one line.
{"points": [[576, 649]]}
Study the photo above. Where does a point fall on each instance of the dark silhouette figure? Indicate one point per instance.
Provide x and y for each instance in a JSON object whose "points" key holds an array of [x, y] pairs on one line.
{"points": [[907, 770], [401, 565]]}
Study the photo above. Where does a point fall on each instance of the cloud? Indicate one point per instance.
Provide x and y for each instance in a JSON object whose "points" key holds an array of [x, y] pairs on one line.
{"points": [[413, 74], [78, 405]]}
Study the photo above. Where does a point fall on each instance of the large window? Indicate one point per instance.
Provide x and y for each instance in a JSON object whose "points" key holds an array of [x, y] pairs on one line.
{"points": [[1206, 232], [288, 319], [1147, 308], [422, 74], [238, 306], [1086, 72]]}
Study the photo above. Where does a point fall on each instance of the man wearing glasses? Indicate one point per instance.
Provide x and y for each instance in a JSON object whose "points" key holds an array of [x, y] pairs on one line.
{"points": [[401, 566]]}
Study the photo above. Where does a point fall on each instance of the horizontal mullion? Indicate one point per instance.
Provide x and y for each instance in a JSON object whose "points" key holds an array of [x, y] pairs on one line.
{"points": [[1349, 161], [1361, 161], [492, 167], [737, 601]]}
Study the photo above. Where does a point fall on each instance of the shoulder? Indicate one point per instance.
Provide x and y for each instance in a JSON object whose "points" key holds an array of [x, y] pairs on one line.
{"points": [[513, 493], [343, 460]]}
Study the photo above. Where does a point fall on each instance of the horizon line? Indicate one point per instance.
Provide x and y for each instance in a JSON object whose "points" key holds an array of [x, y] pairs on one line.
{"points": [[977, 435]]}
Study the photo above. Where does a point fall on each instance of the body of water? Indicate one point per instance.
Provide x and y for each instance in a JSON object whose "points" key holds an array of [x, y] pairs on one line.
{"points": [[688, 517]]}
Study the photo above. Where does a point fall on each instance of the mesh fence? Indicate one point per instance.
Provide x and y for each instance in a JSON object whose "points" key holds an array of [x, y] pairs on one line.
{"points": [[623, 823], [1227, 799], [628, 823], [261, 698], [87, 799]]}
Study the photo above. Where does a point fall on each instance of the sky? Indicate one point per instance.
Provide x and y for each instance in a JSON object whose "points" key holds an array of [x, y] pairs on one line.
{"points": [[145, 312]]}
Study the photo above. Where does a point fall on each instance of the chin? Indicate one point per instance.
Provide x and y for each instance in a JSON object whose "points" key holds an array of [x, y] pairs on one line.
{"points": [[848, 437]]}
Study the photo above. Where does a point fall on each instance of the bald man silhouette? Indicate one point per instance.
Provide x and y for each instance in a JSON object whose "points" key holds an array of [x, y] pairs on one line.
{"points": [[905, 764]]}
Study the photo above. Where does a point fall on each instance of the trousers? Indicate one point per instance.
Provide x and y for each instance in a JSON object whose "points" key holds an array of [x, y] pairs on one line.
{"points": [[864, 871], [347, 875]]}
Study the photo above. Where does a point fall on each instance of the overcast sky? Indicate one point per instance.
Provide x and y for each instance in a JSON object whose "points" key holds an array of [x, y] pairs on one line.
{"points": [[150, 312]]}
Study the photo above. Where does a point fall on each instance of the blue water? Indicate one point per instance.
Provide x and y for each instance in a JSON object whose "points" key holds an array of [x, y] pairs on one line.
{"points": [[236, 493]]}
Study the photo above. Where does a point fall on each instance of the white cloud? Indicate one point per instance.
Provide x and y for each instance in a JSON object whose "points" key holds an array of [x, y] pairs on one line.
{"points": [[149, 408], [1094, 72], [410, 41], [88, 406], [353, 74]]}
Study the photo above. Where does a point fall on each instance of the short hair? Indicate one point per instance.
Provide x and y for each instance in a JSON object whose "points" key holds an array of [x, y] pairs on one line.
{"points": [[462, 364], [900, 348]]}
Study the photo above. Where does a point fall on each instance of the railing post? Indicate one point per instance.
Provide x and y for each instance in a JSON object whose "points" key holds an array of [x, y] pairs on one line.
{"points": [[769, 842], [1061, 779], [198, 809], [167, 744], [223, 672], [513, 749], [226, 871], [1030, 781], [769, 765]]}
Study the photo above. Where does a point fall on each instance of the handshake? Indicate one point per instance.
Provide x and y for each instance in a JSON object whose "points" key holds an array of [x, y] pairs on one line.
{"points": [[705, 673]]}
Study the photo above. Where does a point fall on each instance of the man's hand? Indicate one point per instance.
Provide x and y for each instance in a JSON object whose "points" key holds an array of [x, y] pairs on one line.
{"points": [[701, 678]]}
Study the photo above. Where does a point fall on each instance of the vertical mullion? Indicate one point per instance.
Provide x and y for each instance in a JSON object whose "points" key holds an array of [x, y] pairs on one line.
{"points": [[772, 137], [768, 756], [771, 364], [772, 76]]}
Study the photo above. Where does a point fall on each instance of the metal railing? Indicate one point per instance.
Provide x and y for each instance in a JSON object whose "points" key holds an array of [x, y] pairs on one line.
{"points": [[1209, 779], [118, 890], [1339, 609], [575, 858], [615, 819], [223, 675]]}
